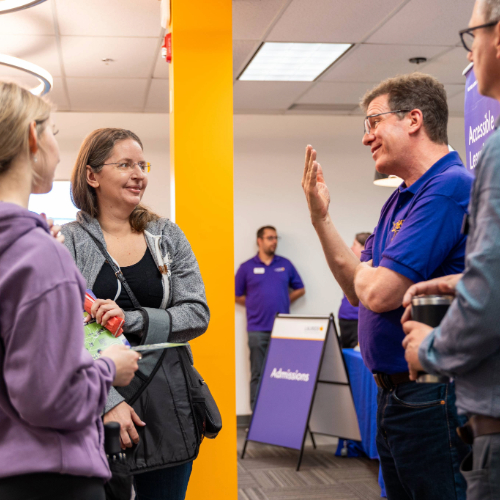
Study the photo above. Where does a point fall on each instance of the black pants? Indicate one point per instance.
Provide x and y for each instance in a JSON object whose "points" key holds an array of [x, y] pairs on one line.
{"points": [[348, 332], [258, 343], [49, 486]]}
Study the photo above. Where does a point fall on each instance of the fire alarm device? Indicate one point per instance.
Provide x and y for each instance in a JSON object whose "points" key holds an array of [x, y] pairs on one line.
{"points": [[166, 48]]}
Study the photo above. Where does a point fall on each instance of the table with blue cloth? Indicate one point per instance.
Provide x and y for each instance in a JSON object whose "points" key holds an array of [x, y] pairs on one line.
{"points": [[364, 393]]}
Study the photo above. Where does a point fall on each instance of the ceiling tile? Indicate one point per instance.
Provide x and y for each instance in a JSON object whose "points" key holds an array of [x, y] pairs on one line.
{"points": [[335, 93], [426, 22], [251, 18], [34, 21], [243, 50], [262, 96], [88, 94], [448, 67], [373, 63], [161, 68], [132, 57], [158, 97], [57, 96], [456, 104], [453, 90], [326, 21], [125, 18], [40, 50], [20, 77]]}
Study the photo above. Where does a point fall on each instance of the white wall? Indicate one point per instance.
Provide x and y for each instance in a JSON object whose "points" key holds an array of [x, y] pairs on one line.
{"points": [[268, 163]]}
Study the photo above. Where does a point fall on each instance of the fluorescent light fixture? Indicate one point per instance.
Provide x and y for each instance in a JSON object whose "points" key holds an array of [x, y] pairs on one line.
{"points": [[46, 81], [293, 62], [7, 6]]}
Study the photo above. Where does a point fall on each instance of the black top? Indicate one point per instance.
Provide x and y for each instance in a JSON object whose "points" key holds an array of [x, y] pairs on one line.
{"points": [[144, 279]]}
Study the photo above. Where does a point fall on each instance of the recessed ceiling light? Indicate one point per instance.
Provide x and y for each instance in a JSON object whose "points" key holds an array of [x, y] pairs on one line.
{"points": [[294, 62], [46, 81], [7, 6]]}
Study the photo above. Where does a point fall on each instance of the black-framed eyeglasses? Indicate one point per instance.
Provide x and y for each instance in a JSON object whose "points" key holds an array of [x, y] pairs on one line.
{"points": [[128, 166], [372, 124], [467, 35]]}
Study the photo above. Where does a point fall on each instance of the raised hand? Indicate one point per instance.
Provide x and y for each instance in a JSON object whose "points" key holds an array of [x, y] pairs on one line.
{"points": [[315, 189]]}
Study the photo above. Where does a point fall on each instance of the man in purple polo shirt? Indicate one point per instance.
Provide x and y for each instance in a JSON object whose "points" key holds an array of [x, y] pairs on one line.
{"points": [[418, 237], [266, 284]]}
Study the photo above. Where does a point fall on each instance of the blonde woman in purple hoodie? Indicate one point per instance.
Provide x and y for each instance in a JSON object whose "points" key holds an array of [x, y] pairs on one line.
{"points": [[52, 393]]}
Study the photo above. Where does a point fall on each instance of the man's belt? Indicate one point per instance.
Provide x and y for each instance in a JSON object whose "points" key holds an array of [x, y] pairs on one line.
{"points": [[478, 425], [386, 381]]}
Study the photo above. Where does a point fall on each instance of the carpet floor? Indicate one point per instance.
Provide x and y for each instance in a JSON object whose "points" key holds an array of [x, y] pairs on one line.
{"points": [[268, 473]]}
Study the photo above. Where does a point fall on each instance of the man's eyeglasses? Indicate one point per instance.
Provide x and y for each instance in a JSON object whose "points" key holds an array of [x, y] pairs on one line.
{"points": [[128, 166], [467, 35], [371, 122]]}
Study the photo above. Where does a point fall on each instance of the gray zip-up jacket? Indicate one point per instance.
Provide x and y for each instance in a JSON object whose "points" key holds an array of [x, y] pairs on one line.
{"points": [[466, 346], [184, 311]]}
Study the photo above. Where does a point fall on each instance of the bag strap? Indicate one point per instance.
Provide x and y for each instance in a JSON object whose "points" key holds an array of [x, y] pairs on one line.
{"points": [[116, 269]]}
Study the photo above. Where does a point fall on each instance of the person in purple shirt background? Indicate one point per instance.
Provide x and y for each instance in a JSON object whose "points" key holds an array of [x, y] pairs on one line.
{"points": [[348, 314], [263, 286]]}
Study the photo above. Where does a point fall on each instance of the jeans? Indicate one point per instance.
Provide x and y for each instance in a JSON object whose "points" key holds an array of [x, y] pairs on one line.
{"points": [[169, 483], [258, 343], [420, 451], [481, 468]]}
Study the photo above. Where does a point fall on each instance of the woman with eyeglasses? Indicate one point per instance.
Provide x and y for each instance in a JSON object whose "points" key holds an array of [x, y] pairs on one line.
{"points": [[52, 392], [141, 268]]}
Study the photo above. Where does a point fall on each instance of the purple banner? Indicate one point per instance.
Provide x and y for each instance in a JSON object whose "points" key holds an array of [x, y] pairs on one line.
{"points": [[480, 114], [286, 390]]}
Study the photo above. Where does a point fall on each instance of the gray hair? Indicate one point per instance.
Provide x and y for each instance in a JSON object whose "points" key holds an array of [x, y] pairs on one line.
{"points": [[491, 10], [416, 91]]}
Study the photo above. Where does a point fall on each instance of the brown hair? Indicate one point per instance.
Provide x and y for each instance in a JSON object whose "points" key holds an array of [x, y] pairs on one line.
{"points": [[18, 108], [416, 91], [96, 148], [260, 232], [362, 237]]}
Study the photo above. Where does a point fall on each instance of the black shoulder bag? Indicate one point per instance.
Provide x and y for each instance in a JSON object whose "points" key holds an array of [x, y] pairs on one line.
{"points": [[203, 406]]}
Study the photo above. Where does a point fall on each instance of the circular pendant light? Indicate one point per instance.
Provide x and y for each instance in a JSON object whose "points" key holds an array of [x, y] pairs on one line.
{"points": [[46, 81], [385, 180], [7, 6]]}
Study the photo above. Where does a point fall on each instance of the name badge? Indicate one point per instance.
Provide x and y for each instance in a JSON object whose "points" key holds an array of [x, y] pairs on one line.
{"points": [[259, 270]]}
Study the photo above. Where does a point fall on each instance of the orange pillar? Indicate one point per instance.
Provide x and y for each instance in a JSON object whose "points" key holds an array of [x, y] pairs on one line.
{"points": [[201, 154]]}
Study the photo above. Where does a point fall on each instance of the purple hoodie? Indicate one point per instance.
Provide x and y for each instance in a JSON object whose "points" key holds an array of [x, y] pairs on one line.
{"points": [[51, 391]]}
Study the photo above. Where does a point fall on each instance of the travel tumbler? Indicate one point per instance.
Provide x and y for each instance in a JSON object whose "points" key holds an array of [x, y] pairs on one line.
{"points": [[430, 310]]}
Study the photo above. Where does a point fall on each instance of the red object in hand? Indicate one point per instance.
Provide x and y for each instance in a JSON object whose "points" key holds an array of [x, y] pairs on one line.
{"points": [[114, 325]]}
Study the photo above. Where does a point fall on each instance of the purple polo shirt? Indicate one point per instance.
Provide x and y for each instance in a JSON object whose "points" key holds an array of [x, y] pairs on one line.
{"points": [[266, 289], [348, 311], [419, 236]]}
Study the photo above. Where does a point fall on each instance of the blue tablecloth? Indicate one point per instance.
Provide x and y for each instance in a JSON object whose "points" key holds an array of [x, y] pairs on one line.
{"points": [[364, 393]]}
